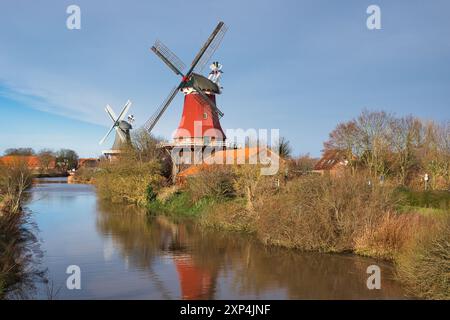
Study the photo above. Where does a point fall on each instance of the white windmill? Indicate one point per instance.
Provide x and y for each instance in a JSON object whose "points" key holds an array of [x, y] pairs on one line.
{"points": [[122, 128]]}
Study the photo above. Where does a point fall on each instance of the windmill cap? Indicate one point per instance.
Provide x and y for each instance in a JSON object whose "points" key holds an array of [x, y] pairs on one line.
{"points": [[202, 83]]}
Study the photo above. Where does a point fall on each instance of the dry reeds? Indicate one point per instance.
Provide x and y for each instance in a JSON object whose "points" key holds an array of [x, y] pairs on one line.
{"points": [[424, 266]]}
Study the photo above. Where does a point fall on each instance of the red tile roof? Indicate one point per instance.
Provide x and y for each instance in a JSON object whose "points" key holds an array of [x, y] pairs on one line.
{"points": [[33, 162], [330, 159], [235, 156]]}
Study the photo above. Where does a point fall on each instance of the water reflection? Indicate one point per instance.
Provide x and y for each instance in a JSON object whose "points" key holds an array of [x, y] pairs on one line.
{"points": [[214, 265], [125, 254]]}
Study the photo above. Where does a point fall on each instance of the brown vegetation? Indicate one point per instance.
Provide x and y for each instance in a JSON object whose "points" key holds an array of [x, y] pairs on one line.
{"points": [[425, 265], [15, 236], [136, 176], [127, 180], [403, 149], [15, 178], [345, 213]]}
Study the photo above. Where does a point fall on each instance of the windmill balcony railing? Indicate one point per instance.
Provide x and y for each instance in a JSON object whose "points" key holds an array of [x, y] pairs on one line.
{"points": [[197, 143]]}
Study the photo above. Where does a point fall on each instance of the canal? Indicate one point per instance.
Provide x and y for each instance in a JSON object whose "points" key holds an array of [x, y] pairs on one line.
{"points": [[123, 253]]}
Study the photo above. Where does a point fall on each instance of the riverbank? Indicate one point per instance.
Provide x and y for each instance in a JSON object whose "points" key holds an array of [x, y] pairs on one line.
{"points": [[14, 236], [342, 214], [50, 175], [337, 215], [124, 253]]}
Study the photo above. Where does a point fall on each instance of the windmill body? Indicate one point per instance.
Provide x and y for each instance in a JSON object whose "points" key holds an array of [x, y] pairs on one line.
{"points": [[200, 124], [119, 142], [122, 127]]}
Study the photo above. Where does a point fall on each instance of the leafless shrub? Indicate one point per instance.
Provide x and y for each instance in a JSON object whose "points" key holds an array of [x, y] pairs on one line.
{"points": [[212, 182], [15, 178], [425, 265], [389, 236], [322, 213]]}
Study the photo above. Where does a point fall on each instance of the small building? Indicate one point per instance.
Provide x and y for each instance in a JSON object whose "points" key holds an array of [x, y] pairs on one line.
{"points": [[238, 156], [333, 162], [88, 163]]}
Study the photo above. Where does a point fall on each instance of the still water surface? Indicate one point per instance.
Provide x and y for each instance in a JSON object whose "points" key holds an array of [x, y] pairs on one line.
{"points": [[124, 254]]}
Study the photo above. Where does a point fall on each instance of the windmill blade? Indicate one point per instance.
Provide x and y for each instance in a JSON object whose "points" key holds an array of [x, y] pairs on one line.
{"points": [[214, 34], [125, 109], [211, 49], [106, 136], [168, 57], [203, 97], [111, 113], [122, 136], [159, 112]]}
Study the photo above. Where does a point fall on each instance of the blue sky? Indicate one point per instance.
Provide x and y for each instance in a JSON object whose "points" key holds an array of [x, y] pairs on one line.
{"points": [[300, 66]]}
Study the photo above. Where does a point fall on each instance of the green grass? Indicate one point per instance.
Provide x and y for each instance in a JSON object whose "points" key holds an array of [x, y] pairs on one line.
{"points": [[180, 204], [432, 199], [429, 212]]}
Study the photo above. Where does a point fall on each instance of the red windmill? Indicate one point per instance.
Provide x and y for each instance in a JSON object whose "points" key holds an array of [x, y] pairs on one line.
{"points": [[199, 125]]}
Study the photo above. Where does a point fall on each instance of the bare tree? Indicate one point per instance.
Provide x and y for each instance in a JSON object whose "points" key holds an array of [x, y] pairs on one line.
{"points": [[435, 153], [405, 139], [374, 140], [46, 157], [283, 148], [146, 146], [346, 137]]}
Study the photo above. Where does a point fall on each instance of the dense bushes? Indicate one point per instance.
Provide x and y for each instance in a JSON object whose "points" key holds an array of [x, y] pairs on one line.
{"points": [[212, 182], [19, 256], [128, 181], [387, 238], [16, 240], [84, 175], [315, 213], [425, 265], [14, 180], [321, 213], [137, 175]]}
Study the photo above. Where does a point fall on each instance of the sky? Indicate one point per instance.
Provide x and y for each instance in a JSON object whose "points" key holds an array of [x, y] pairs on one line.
{"points": [[298, 66]]}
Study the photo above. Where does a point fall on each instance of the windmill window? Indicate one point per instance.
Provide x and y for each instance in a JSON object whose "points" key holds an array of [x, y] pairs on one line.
{"points": [[205, 115]]}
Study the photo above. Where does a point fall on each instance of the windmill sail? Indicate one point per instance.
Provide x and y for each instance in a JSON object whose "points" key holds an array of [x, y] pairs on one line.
{"points": [[106, 136], [159, 112], [111, 113], [203, 97], [116, 120], [124, 111], [205, 47], [212, 48], [168, 57], [176, 65]]}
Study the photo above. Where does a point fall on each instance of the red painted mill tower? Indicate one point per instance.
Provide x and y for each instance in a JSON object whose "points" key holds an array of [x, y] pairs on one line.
{"points": [[200, 122], [199, 127]]}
